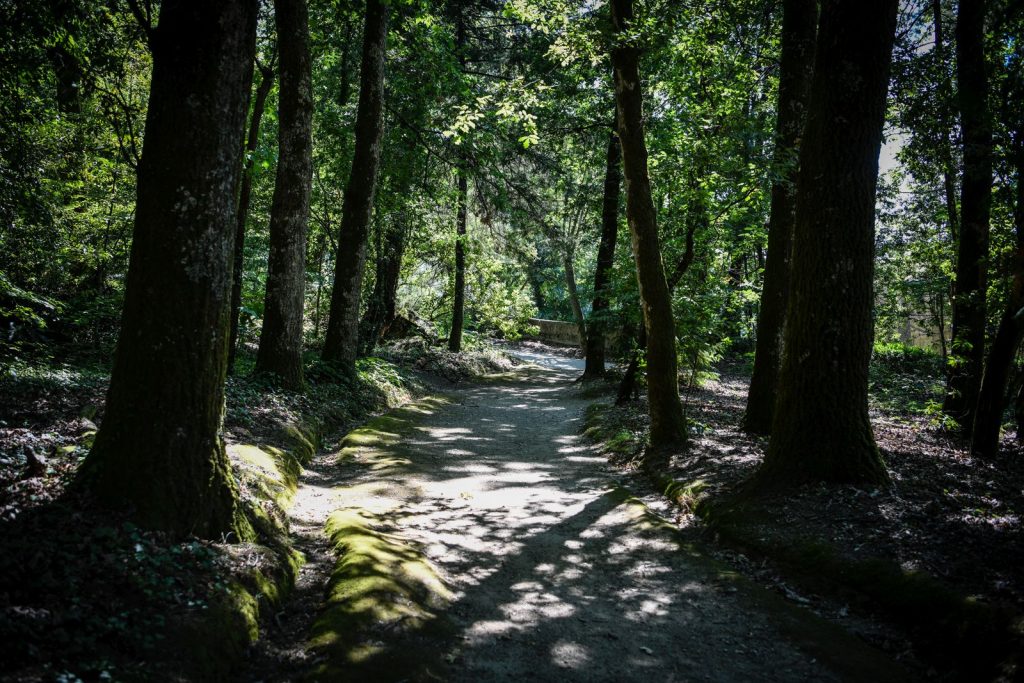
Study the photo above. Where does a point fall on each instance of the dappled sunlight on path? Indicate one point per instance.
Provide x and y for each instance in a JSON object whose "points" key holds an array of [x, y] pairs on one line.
{"points": [[557, 575]]}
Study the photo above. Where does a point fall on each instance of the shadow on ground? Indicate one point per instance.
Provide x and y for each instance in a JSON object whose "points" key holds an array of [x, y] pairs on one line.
{"points": [[555, 574]]}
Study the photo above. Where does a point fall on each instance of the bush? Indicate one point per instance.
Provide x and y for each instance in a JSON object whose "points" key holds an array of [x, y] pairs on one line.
{"points": [[903, 359]]}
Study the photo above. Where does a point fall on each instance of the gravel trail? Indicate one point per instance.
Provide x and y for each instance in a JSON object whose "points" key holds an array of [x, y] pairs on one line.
{"points": [[557, 575]]}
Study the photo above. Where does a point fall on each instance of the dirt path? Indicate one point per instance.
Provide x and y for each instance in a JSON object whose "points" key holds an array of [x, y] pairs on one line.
{"points": [[556, 574]]}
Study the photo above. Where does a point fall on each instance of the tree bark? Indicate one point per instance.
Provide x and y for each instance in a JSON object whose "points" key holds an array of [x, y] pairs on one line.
{"points": [[969, 288], [380, 312], [992, 395], [799, 25], [280, 351], [594, 364], [159, 451], [696, 216], [244, 197], [944, 102], [342, 343], [668, 427], [574, 298], [459, 296], [820, 430]]}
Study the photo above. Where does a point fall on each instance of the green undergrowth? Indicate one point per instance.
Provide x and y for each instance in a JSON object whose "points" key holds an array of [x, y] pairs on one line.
{"points": [[477, 359], [907, 380]]}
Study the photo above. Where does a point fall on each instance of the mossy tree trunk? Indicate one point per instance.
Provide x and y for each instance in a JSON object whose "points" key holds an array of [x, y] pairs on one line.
{"points": [[244, 199], [969, 287], [821, 430], [799, 25], [459, 296], [668, 427], [159, 451], [597, 325], [992, 395], [280, 351], [341, 345]]}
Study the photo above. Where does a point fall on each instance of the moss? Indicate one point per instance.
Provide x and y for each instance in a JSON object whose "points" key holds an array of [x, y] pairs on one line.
{"points": [[604, 425], [216, 639], [380, 584], [207, 645], [387, 430], [687, 495], [302, 440], [274, 473]]}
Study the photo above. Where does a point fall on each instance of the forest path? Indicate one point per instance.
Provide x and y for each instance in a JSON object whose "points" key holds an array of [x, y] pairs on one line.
{"points": [[555, 573]]}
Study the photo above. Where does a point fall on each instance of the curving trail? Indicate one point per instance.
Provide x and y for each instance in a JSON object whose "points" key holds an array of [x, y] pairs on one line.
{"points": [[555, 573]]}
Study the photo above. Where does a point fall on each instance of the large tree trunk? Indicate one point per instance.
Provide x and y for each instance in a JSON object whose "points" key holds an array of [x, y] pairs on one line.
{"points": [[594, 366], [459, 296], [342, 343], [668, 427], [244, 198], [968, 343], [821, 430], [992, 395], [799, 25], [280, 352], [380, 311], [159, 451]]}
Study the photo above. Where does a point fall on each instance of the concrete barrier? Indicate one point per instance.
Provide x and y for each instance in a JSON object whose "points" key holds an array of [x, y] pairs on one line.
{"points": [[557, 332]]}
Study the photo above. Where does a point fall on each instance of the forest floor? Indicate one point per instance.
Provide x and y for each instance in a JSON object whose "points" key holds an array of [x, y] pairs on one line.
{"points": [[548, 569], [942, 545], [480, 536]]}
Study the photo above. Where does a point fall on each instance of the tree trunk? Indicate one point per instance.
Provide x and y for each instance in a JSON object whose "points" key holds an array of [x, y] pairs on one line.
{"points": [[668, 427], [821, 430], [459, 297], [1018, 413], [69, 76], [244, 197], [627, 387], [799, 25], [944, 102], [380, 312], [968, 343], [536, 281], [696, 217], [992, 395], [594, 366], [342, 343], [574, 299], [280, 352], [159, 450]]}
